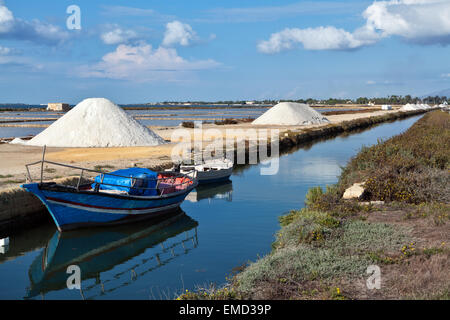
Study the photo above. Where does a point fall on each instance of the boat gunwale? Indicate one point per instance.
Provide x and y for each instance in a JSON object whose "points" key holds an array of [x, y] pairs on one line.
{"points": [[47, 186]]}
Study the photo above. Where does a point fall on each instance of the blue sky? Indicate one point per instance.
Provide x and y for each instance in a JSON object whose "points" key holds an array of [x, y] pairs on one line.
{"points": [[143, 51]]}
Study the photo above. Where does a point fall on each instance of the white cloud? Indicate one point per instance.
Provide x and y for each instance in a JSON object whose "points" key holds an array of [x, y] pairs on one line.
{"points": [[118, 36], [321, 38], [4, 51], [6, 19], [178, 33], [420, 21], [143, 63], [35, 31], [423, 21], [445, 75]]}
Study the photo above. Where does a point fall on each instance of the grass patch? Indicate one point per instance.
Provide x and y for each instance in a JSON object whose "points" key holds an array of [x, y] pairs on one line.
{"points": [[316, 245], [6, 176], [12, 181]]}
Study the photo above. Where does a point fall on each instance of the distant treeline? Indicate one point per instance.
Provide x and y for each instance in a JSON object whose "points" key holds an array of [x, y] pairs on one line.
{"points": [[331, 101], [399, 100]]}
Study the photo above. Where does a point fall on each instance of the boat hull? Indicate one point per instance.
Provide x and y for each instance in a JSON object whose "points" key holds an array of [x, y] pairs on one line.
{"points": [[214, 176], [73, 210]]}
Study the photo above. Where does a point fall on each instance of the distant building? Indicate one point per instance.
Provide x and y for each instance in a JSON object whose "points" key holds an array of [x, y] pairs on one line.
{"points": [[371, 103], [249, 102], [58, 107], [386, 107]]}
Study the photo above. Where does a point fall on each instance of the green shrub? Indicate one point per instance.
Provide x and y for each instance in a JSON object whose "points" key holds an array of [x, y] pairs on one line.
{"points": [[313, 196], [412, 167]]}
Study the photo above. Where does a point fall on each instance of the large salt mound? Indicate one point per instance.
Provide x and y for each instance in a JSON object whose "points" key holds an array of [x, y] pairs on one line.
{"points": [[411, 107], [96, 122], [290, 113]]}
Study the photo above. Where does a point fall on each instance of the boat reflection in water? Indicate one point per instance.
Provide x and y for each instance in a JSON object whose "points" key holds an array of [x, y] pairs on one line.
{"points": [[221, 190], [99, 250]]}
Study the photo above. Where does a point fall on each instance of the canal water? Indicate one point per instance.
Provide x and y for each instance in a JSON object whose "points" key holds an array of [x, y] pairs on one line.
{"points": [[222, 227]]}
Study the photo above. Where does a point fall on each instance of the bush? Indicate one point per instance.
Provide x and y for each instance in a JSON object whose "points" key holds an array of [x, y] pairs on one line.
{"points": [[226, 121], [411, 167], [187, 124], [313, 196]]}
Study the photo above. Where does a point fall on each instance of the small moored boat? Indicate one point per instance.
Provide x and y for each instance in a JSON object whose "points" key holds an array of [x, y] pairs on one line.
{"points": [[112, 198], [209, 171]]}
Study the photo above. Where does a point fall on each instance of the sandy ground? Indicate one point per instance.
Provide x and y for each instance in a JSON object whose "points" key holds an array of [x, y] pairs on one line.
{"points": [[14, 157]]}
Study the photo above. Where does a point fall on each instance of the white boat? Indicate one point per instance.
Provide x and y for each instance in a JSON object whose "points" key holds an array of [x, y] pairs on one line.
{"points": [[209, 171]]}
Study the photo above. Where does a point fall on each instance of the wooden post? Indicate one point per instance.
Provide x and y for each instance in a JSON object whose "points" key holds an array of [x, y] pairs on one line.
{"points": [[79, 180], [42, 164]]}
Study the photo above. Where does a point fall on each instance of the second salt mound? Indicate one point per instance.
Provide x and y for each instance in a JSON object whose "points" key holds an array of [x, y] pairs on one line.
{"points": [[96, 122], [291, 114]]}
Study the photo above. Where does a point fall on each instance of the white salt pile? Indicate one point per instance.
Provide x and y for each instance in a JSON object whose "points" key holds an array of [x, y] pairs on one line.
{"points": [[17, 141], [96, 122], [290, 113], [411, 107]]}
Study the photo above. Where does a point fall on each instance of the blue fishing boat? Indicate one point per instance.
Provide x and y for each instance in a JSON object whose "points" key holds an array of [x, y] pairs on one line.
{"points": [[111, 198]]}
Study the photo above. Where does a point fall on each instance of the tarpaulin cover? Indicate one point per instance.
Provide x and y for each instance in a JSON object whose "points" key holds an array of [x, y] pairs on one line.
{"points": [[148, 179]]}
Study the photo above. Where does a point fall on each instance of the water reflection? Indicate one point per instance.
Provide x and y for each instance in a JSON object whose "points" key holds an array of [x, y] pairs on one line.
{"points": [[223, 190], [141, 248]]}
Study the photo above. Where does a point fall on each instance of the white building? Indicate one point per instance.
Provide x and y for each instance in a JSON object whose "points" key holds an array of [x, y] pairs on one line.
{"points": [[58, 107], [386, 107]]}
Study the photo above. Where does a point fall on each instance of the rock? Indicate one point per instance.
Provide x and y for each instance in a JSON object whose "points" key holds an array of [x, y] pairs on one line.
{"points": [[355, 191]]}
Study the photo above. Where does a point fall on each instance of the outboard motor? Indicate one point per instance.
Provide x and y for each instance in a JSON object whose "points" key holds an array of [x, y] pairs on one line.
{"points": [[177, 167]]}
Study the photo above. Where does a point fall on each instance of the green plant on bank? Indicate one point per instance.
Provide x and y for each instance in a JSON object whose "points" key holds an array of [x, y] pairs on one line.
{"points": [[225, 293], [439, 213], [336, 294], [6, 176], [344, 250]]}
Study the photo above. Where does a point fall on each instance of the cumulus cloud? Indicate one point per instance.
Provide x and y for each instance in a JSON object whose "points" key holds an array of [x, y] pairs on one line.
{"points": [[35, 31], [118, 36], [141, 62], [178, 33], [423, 21], [321, 38], [420, 21]]}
